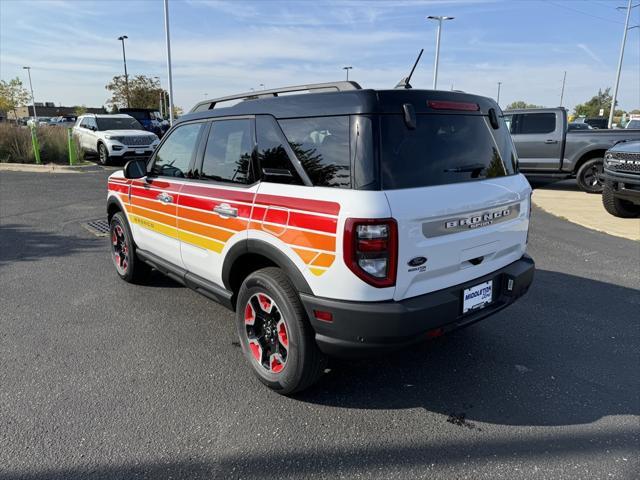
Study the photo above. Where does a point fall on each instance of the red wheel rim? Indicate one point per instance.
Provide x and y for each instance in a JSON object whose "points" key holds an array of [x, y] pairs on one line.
{"points": [[267, 333], [119, 249]]}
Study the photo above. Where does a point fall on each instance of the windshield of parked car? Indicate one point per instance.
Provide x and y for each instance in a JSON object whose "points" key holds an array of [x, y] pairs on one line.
{"points": [[633, 124], [443, 149], [118, 123]]}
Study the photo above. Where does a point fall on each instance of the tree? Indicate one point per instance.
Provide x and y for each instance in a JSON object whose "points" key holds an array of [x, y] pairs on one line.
{"points": [[13, 95], [591, 108], [143, 92], [177, 111], [80, 110], [520, 104]]}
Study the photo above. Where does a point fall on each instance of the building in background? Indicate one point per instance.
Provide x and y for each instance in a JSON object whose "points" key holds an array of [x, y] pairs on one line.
{"points": [[48, 109]]}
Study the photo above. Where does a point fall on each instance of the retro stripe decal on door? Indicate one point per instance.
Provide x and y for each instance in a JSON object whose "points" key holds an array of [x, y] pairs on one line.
{"points": [[308, 226]]}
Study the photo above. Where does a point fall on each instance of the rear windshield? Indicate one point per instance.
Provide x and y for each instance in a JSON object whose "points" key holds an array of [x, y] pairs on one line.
{"points": [[118, 123], [443, 149]]}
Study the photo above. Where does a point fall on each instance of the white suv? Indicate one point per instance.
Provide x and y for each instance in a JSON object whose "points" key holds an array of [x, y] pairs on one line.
{"points": [[335, 223], [114, 137]]}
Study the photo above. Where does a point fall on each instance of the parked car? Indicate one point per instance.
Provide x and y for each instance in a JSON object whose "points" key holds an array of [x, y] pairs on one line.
{"points": [[579, 126], [63, 121], [621, 194], [150, 119], [42, 121], [598, 122], [334, 223], [114, 137], [546, 147]]}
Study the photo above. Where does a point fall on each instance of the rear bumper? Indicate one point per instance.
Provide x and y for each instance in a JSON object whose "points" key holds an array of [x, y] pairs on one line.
{"points": [[363, 327], [625, 185]]}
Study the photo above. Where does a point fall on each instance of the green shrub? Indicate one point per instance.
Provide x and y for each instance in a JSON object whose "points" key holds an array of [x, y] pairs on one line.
{"points": [[16, 145]]}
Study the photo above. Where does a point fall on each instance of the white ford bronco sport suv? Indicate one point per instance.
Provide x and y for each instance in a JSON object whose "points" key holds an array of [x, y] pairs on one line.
{"points": [[336, 222], [114, 137]]}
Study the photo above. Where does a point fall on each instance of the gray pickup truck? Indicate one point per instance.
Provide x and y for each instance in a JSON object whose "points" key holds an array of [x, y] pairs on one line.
{"points": [[546, 147]]}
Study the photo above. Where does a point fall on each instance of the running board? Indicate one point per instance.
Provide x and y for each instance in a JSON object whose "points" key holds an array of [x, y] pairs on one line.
{"points": [[190, 280]]}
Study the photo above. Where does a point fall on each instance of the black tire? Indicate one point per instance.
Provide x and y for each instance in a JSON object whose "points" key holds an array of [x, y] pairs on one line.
{"points": [[123, 251], [303, 363], [616, 206], [103, 155], [589, 176]]}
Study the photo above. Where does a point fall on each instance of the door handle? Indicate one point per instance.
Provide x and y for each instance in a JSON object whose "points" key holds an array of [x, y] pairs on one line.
{"points": [[164, 198], [225, 210], [549, 142]]}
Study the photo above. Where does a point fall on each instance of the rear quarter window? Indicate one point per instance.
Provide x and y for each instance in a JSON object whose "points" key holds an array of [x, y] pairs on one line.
{"points": [[322, 146]]}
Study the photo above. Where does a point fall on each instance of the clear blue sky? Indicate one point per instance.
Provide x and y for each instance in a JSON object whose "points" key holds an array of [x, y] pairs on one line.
{"points": [[222, 47]]}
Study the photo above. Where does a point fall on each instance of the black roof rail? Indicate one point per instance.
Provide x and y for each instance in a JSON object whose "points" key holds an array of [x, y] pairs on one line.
{"points": [[254, 95]]}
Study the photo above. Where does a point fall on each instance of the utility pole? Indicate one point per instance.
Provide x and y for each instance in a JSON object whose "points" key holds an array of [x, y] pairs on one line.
{"points": [[166, 30], [624, 40], [347, 70], [435, 65], [564, 79], [498, 97], [33, 99], [126, 75]]}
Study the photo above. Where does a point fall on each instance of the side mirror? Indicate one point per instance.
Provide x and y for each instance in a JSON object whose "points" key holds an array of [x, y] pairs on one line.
{"points": [[135, 169]]}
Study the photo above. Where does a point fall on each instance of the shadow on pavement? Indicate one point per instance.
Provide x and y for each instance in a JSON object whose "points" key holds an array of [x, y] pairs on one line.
{"points": [[20, 243], [569, 185], [566, 354], [298, 463]]}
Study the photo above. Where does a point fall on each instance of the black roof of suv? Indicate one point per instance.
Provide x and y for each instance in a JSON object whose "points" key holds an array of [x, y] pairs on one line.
{"points": [[341, 98]]}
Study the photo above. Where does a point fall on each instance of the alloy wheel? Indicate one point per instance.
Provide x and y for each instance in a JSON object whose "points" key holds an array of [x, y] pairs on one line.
{"points": [[266, 332], [119, 249]]}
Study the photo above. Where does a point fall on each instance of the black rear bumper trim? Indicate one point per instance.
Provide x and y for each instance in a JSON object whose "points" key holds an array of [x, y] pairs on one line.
{"points": [[361, 327]]}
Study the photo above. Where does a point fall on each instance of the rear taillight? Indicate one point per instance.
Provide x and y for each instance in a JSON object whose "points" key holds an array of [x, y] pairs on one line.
{"points": [[371, 250]]}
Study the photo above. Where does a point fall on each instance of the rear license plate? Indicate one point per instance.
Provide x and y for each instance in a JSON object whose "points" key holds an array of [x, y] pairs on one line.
{"points": [[477, 297]]}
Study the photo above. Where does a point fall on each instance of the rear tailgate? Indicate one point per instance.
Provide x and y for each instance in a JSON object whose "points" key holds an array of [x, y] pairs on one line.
{"points": [[464, 230]]}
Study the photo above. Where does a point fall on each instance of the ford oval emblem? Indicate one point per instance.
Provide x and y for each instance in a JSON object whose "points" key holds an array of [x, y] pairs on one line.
{"points": [[416, 262]]}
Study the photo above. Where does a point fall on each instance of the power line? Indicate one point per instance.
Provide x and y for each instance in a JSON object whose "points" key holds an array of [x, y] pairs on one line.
{"points": [[583, 13]]}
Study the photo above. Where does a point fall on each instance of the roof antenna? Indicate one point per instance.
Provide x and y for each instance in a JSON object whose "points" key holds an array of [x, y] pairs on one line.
{"points": [[404, 83]]}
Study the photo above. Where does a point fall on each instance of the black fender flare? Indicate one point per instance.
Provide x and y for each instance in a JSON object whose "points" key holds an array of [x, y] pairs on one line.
{"points": [[113, 200], [260, 247]]}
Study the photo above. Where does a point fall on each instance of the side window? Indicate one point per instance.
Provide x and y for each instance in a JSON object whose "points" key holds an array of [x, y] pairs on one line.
{"points": [[275, 165], [532, 123], [91, 123], [175, 154], [227, 157], [322, 146]]}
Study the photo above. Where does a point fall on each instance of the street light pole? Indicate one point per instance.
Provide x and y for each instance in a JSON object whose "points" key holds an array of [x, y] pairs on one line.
{"points": [[498, 97], [347, 70], [439, 18], [166, 29], [564, 79], [615, 89], [126, 75], [33, 99]]}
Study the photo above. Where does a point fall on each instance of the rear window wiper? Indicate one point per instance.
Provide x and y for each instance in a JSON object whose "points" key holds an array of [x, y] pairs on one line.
{"points": [[472, 167]]}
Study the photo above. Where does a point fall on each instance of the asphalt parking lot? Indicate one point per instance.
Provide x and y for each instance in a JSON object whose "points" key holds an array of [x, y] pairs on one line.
{"points": [[101, 379]]}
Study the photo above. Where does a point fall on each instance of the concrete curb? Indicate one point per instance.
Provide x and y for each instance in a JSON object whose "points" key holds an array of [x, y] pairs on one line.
{"points": [[48, 168], [586, 210]]}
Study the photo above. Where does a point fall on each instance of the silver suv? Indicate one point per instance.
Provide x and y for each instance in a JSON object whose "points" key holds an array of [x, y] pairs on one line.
{"points": [[114, 137]]}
